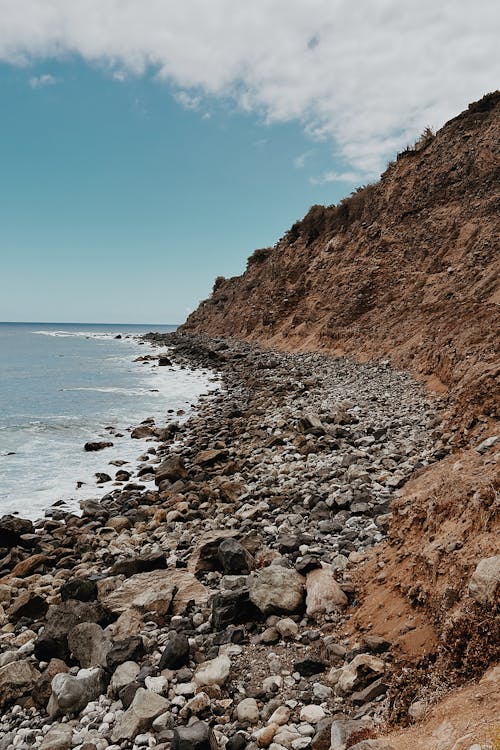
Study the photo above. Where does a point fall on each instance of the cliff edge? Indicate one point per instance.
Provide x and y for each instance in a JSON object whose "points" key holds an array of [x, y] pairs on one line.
{"points": [[405, 269]]}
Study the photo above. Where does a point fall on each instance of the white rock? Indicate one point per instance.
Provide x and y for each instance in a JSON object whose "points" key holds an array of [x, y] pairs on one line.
{"points": [[312, 714], [213, 672], [248, 710]]}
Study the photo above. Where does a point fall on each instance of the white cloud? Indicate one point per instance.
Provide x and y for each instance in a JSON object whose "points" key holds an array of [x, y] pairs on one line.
{"points": [[366, 75], [337, 177], [189, 101], [300, 161], [39, 82]]}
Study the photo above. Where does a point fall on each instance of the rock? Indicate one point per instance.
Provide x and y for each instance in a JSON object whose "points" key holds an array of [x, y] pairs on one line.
{"points": [[213, 672], [97, 445], [175, 653], [485, 579], [247, 710], [234, 558], [156, 591], [360, 671], [59, 737], [210, 457], [372, 745], [139, 717], [196, 736], [71, 694], [205, 555], [16, 679], [27, 566], [171, 469], [370, 692], [323, 593], [321, 740], [128, 650], [265, 735], [143, 431], [287, 628], [89, 644], [123, 675], [43, 687], [309, 666], [196, 705], [312, 714], [345, 731], [237, 742], [79, 588], [29, 605], [275, 589], [233, 607], [164, 361], [61, 618], [12, 529], [280, 716]]}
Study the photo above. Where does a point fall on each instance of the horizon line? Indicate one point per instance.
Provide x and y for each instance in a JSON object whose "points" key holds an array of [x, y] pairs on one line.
{"points": [[79, 323]]}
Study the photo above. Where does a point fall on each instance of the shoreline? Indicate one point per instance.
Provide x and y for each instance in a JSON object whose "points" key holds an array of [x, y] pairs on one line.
{"points": [[221, 590]]}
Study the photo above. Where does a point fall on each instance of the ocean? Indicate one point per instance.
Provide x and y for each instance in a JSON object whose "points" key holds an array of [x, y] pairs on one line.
{"points": [[61, 385]]}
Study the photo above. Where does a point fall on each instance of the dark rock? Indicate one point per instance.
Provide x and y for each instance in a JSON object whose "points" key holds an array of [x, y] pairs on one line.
{"points": [[234, 557], [79, 588], [171, 469], [233, 607], [129, 649], [197, 736], [164, 361], [308, 667], [143, 564], [322, 738], [97, 445], [306, 564], [127, 694], [370, 692], [237, 742], [12, 529], [31, 606], [176, 652], [53, 642]]}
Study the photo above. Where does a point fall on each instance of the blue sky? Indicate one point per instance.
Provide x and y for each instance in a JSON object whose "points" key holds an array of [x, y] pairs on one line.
{"points": [[118, 203], [148, 147]]}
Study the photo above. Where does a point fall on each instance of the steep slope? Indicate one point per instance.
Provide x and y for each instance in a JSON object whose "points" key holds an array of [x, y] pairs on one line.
{"points": [[406, 269]]}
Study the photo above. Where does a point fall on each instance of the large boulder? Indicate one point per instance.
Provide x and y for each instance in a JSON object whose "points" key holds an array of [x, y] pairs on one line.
{"points": [[170, 470], [485, 579], [205, 555], [79, 588], [71, 694], [176, 652], [197, 736], [12, 529], [276, 589], [61, 618], [140, 715], [156, 591], [234, 558], [89, 644], [213, 672], [16, 679], [323, 593]]}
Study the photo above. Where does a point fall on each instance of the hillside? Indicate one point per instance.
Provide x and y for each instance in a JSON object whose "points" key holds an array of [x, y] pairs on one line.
{"points": [[406, 269]]}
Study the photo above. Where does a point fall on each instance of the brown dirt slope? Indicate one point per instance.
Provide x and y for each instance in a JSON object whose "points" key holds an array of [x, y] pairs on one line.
{"points": [[407, 269]]}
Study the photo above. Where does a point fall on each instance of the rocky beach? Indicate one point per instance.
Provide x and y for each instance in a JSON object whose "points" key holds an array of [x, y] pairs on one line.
{"points": [[215, 609]]}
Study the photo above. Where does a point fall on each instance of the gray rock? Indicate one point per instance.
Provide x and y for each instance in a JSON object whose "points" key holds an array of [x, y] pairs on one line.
{"points": [[140, 715], [59, 737], [71, 694], [485, 579], [175, 653], [213, 672], [275, 589], [197, 736], [89, 644]]}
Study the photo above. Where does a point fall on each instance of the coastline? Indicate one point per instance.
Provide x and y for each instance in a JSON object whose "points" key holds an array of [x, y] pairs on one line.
{"points": [[289, 472]]}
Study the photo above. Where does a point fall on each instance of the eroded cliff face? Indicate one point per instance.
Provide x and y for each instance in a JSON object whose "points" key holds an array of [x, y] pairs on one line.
{"points": [[406, 269]]}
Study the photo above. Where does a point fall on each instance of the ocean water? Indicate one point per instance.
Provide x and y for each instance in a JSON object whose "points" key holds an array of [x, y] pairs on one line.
{"points": [[61, 385]]}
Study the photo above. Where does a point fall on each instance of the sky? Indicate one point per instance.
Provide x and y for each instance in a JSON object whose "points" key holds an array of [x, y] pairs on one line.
{"points": [[148, 146]]}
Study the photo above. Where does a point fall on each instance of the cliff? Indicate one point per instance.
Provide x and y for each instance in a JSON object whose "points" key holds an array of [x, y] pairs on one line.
{"points": [[405, 269]]}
